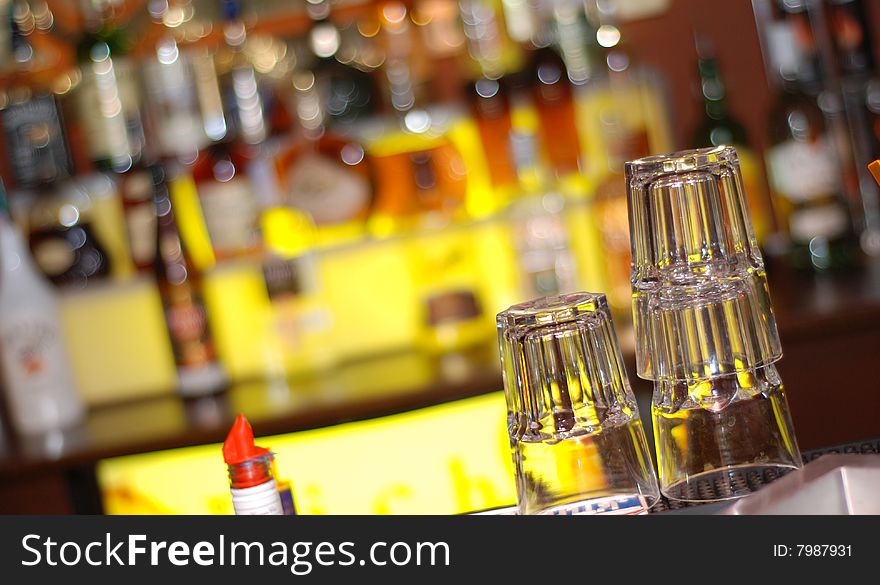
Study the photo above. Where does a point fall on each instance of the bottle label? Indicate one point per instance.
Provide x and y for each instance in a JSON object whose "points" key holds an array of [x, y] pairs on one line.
{"points": [[27, 347], [327, 190], [30, 127], [802, 171], [231, 215], [188, 328], [140, 217], [53, 254], [260, 500], [452, 307], [108, 107], [827, 221], [283, 277], [35, 370], [175, 107]]}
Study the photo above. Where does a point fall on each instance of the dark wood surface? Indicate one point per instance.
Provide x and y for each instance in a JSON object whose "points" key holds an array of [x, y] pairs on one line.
{"points": [[830, 326]]}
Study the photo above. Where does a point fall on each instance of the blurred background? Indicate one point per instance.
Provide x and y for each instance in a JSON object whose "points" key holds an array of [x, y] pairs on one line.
{"points": [[310, 211]]}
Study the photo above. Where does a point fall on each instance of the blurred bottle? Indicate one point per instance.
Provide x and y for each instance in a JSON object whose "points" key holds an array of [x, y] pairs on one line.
{"points": [[108, 97], [226, 193], [719, 127], [553, 99], [851, 40], [347, 92], [324, 174], [59, 217], [109, 113], [183, 102], [851, 37], [37, 378], [610, 207], [490, 107], [574, 37], [625, 115], [179, 281], [171, 71], [540, 235], [419, 173], [802, 163], [491, 50]]}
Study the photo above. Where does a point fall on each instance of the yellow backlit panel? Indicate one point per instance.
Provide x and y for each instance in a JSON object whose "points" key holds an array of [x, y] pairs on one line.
{"points": [[447, 459]]}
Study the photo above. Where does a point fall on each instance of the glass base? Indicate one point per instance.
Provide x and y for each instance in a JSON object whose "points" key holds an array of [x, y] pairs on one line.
{"points": [[728, 483]]}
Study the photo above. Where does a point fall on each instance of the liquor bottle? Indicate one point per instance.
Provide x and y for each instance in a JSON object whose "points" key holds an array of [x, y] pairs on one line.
{"points": [[108, 96], [553, 99], [626, 119], [719, 127], [624, 143], [802, 162], [851, 37], [540, 234], [109, 112], [347, 91], [184, 112], [852, 44], [226, 192], [491, 110], [37, 378], [323, 173], [172, 97], [59, 220], [420, 174], [575, 37], [491, 50], [179, 281]]}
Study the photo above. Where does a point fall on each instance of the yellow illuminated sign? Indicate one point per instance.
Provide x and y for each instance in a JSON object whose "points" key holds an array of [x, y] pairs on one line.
{"points": [[447, 459]]}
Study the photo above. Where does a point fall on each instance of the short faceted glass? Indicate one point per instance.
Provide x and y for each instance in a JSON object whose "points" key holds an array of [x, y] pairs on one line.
{"points": [[704, 328], [577, 440]]}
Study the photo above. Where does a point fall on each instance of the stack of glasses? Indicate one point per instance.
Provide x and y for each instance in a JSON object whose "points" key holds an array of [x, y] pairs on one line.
{"points": [[705, 335], [704, 328]]}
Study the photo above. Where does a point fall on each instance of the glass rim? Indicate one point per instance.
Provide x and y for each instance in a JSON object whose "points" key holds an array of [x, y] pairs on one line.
{"points": [[553, 310], [681, 161]]}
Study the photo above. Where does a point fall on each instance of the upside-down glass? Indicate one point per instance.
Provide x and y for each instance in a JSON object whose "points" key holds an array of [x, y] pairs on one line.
{"points": [[705, 330], [576, 437]]}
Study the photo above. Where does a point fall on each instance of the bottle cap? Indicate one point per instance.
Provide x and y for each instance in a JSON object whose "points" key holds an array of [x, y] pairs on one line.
{"points": [[239, 446]]}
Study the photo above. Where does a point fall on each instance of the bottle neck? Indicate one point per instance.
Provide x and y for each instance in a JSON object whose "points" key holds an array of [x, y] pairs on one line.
{"points": [[529, 169], [713, 90], [14, 255], [251, 473], [309, 107]]}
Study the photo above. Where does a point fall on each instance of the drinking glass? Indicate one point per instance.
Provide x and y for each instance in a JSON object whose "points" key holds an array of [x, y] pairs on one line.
{"points": [[577, 440], [704, 327]]}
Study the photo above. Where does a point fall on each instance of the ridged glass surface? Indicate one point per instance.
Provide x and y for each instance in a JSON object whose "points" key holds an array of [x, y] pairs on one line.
{"points": [[712, 434], [573, 422], [704, 327], [694, 250]]}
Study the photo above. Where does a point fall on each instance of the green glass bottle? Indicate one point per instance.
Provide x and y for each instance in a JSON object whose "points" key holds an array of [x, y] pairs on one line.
{"points": [[720, 127]]}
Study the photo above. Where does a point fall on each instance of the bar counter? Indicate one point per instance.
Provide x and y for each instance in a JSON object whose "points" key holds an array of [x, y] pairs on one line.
{"points": [[829, 324]]}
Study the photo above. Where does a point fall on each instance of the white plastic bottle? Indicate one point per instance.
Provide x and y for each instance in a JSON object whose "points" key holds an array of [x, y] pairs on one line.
{"points": [[37, 379]]}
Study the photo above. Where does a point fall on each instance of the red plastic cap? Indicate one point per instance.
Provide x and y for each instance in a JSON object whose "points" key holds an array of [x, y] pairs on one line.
{"points": [[239, 445]]}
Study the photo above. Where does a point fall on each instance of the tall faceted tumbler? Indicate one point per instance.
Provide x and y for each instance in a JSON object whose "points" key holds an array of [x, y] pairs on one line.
{"points": [[577, 441], [704, 327]]}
